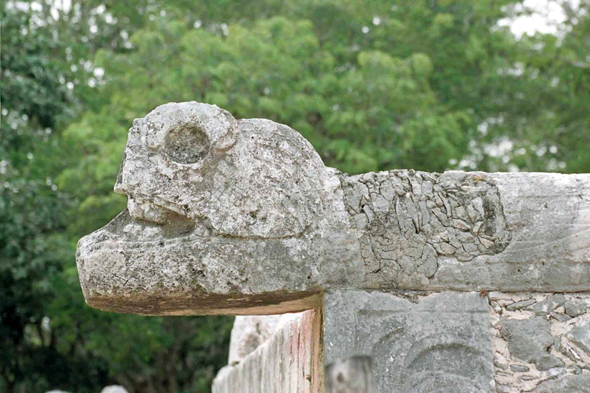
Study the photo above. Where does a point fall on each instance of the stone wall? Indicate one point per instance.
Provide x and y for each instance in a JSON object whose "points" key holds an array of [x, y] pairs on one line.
{"points": [[284, 361], [464, 342], [420, 342], [541, 342]]}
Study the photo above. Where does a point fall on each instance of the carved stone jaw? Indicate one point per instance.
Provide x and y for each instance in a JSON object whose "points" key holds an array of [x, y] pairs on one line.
{"points": [[147, 211]]}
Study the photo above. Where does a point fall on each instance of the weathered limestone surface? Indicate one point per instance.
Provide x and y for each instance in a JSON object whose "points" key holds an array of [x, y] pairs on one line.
{"points": [[286, 361], [464, 231], [538, 346], [429, 342], [418, 343], [223, 216], [242, 217], [570, 384]]}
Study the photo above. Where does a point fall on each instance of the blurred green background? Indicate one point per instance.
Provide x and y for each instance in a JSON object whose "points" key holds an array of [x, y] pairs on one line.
{"points": [[374, 85]]}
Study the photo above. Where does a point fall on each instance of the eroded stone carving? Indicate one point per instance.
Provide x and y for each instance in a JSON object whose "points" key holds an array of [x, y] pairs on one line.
{"points": [[229, 216], [249, 179], [221, 211], [418, 343], [409, 219], [242, 217]]}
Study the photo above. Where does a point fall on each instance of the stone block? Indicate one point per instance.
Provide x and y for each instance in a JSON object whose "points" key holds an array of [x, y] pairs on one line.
{"points": [[567, 384], [529, 340], [580, 335], [435, 343]]}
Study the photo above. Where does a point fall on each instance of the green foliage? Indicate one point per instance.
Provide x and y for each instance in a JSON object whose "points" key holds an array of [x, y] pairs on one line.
{"points": [[429, 85], [31, 259], [32, 244], [382, 110]]}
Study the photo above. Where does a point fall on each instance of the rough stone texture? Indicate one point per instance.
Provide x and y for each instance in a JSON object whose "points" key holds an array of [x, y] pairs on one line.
{"points": [[538, 348], [286, 362], [569, 384], [574, 308], [408, 220], [465, 231], [548, 305], [418, 342], [248, 210], [231, 216], [248, 333], [529, 340], [580, 335], [534, 348]]}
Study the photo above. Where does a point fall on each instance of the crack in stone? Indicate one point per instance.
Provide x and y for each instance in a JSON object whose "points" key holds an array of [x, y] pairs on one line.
{"points": [[408, 219]]}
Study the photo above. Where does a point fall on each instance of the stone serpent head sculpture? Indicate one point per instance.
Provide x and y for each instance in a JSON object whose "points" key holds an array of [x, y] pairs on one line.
{"points": [[216, 206]]}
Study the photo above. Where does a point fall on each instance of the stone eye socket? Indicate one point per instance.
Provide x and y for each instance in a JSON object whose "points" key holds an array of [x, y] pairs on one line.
{"points": [[186, 145]]}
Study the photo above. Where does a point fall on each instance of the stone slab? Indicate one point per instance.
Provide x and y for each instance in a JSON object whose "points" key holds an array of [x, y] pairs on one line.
{"points": [[434, 343], [472, 230], [529, 340]]}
